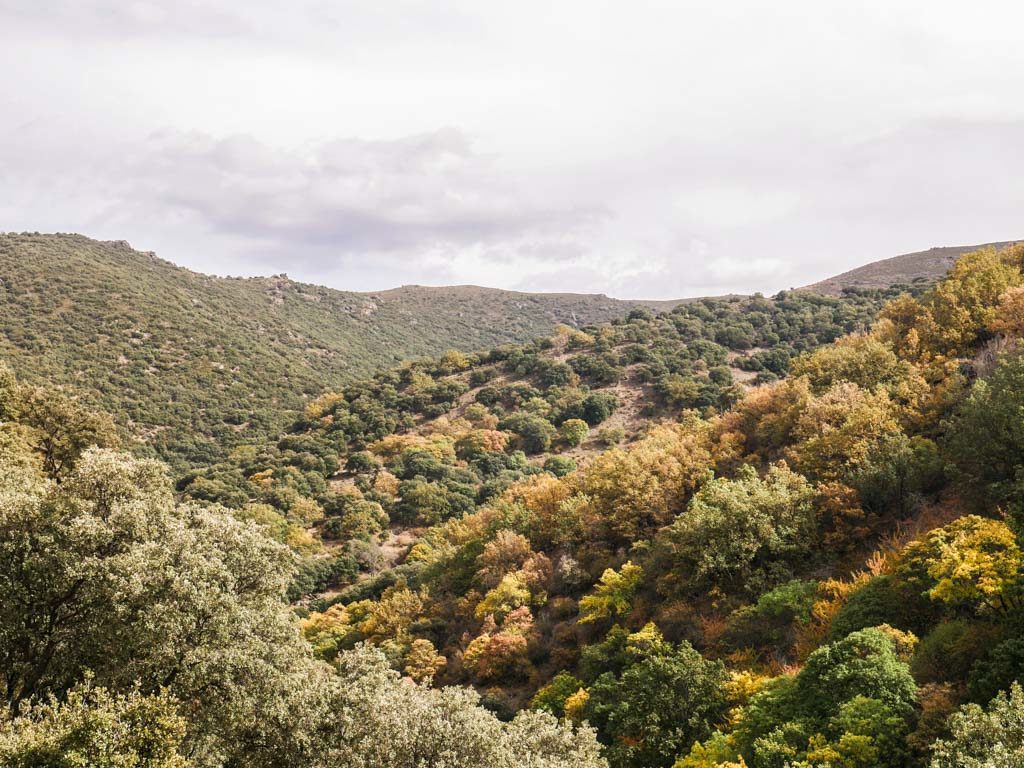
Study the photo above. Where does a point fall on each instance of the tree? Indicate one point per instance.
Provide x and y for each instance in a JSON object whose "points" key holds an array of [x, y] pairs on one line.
{"points": [[632, 492], [998, 671], [613, 594], [500, 653], [385, 724], [736, 532], [598, 406], [1008, 319], [838, 430], [985, 738], [552, 697], [93, 727], [559, 466], [453, 361], [106, 573], [859, 359], [985, 439], [657, 707], [895, 474], [534, 433], [850, 705], [510, 593], [64, 428], [423, 662], [505, 553], [965, 301], [866, 733], [971, 562], [864, 664], [423, 502]]}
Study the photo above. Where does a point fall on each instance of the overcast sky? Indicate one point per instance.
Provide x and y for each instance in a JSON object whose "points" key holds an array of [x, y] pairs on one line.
{"points": [[639, 149]]}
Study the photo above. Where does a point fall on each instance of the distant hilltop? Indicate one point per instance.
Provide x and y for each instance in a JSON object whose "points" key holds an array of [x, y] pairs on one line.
{"points": [[910, 268]]}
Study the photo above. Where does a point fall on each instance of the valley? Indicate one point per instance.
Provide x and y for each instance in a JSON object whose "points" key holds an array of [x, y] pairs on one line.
{"points": [[723, 532]]}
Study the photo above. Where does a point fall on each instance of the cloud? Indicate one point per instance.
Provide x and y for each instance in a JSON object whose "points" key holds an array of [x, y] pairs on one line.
{"points": [[422, 200], [121, 18], [431, 208], [643, 149], [423, 191]]}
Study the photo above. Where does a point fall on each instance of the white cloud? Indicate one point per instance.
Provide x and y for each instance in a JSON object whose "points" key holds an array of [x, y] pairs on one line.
{"points": [[649, 149]]}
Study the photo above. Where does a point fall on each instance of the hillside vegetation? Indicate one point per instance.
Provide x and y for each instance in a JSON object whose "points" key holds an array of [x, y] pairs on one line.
{"points": [[921, 268], [193, 364], [785, 567], [748, 533]]}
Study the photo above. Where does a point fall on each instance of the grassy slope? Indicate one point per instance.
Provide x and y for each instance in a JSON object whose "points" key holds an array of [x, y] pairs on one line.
{"points": [[909, 268], [192, 360]]}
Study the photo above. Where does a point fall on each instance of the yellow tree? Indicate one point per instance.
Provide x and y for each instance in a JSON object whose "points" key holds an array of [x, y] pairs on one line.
{"points": [[971, 561], [838, 429], [613, 594]]}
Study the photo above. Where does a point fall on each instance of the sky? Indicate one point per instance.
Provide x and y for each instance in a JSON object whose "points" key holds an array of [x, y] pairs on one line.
{"points": [[639, 149]]}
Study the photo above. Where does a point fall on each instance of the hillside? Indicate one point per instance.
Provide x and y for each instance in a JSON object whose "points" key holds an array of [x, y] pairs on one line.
{"points": [[786, 568], [747, 532], [194, 364], [918, 268]]}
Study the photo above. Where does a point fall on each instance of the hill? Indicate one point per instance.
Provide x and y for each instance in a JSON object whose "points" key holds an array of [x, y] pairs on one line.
{"points": [[547, 524], [918, 268], [825, 570], [435, 439], [194, 364]]}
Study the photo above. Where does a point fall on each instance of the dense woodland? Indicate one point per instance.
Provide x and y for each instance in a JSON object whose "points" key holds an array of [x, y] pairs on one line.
{"points": [[759, 532]]}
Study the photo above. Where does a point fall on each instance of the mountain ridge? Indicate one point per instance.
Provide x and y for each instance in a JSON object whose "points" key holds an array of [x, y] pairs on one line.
{"points": [[130, 328], [925, 266], [137, 334]]}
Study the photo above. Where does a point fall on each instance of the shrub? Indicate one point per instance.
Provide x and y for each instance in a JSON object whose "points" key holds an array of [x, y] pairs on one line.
{"points": [[559, 466], [574, 431]]}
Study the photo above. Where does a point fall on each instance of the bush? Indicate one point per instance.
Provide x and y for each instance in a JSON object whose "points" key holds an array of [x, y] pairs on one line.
{"points": [[949, 651], [559, 466], [611, 435], [360, 461], [534, 434], [574, 431], [996, 672], [883, 600], [598, 406], [769, 624]]}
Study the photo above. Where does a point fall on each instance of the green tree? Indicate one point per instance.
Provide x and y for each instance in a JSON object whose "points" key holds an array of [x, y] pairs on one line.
{"points": [[737, 533], [534, 433], [864, 664], [552, 697], [896, 473], [92, 727], [985, 738], [985, 440], [106, 573], [559, 466], [64, 428], [657, 707], [851, 704], [383, 723]]}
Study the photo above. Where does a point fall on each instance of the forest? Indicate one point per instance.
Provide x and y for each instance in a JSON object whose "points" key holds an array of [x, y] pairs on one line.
{"points": [[757, 532], [191, 365]]}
